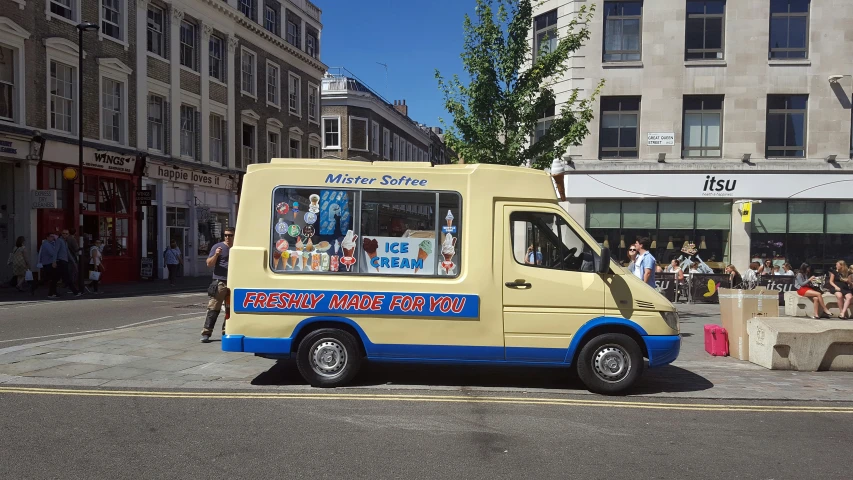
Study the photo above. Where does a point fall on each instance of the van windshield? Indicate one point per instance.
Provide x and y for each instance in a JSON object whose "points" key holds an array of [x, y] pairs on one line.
{"points": [[545, 240]]}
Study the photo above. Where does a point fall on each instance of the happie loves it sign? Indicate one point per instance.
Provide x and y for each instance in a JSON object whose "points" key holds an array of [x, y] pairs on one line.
{"points": [[320, 302]]}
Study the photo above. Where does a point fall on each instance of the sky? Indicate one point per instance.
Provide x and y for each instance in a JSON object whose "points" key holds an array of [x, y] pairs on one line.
{"points": [[412, 37]]}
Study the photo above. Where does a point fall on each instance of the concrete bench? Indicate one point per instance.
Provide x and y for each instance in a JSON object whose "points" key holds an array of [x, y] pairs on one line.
{"points": [[785, 343], [797, 306]]}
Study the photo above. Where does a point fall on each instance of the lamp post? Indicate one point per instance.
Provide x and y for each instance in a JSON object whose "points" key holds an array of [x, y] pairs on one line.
{"points": [[81, 27]]}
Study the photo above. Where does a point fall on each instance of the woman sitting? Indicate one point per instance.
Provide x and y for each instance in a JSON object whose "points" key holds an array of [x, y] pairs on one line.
{"points": [[806, 285], [839, 283], [735, 279]]}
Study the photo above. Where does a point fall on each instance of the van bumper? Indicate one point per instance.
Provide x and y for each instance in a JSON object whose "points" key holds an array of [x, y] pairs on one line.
{"points": [[663, 349], [273, 347]]}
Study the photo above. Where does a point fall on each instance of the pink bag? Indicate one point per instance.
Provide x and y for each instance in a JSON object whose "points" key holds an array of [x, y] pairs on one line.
{"points": [[716, 341]]}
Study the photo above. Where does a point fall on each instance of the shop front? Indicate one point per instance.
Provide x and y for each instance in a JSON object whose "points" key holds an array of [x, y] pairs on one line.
{"points": [[191, 207], [17, 179], [108, 204], [795, 218]]}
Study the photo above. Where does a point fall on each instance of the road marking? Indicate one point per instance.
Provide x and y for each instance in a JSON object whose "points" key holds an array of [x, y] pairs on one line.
{"points": [[433, 399]]}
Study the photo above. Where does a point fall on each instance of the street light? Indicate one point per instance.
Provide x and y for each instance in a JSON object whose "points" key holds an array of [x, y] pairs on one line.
{"points": [[81, 27]]}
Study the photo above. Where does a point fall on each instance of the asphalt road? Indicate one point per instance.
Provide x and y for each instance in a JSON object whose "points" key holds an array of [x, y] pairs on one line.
{"points": [[33, 319], [74, 436]]}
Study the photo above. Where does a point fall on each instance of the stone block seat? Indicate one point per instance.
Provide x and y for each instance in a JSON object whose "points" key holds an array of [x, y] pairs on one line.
{"points": [[797, 306], [803, 344]]}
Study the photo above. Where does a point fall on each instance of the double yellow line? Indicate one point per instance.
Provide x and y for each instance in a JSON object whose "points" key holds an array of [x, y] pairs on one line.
{"points": [[415, 398]]}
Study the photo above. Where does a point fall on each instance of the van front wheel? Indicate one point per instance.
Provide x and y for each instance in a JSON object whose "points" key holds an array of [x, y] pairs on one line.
{"points": [[328, 358], [610, 363]]}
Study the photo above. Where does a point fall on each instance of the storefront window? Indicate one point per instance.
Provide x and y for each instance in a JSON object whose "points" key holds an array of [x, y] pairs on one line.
{"points": [[107, 213], [210, 227]]}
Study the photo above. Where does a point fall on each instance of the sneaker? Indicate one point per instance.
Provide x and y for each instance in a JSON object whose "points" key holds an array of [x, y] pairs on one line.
{"points": [[205, 339]]}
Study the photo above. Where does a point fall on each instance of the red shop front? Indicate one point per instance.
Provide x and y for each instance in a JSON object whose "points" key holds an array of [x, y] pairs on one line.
{"points": [[108, 212]]}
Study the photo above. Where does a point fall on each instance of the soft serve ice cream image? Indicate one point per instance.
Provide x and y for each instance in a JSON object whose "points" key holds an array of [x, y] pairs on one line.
{"points": [[449, 218], [448, 250], [348, 246], [370, 245]]}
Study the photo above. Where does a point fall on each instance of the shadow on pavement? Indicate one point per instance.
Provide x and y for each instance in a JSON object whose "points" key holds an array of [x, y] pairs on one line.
{"points": [[658, 380], [110, 290]]}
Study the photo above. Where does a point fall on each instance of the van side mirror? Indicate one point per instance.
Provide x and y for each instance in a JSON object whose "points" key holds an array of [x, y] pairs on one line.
{"points": [[604, 261]]}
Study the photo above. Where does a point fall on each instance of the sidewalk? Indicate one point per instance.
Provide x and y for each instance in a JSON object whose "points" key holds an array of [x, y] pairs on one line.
{"points": [[11, 296], [169, 355]]}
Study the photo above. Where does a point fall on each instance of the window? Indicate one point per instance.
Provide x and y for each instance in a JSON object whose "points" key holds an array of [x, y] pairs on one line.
{"points": [[295, 148], [545, 240], [217, 66], [8, 93], [374, 137], [546, 116], [620, 131], [111, 18], [55, 181], [188, 39], [703, 135], [188, 131], [248, 143], [546, 33], [64, 8], [217, 138], [313, 104], [272, 84], [313, 151], [107, 214], [271, 19], [332, 133], [789, 29], [156, 42], [408, 152], [62, 97], [273, 143], [247, 7], [622, 31], [358, 133], [386, 144], [247, 72], [311, 44], [293, 35], [705, 29], [294, 95], [786, 125], [156, 115], [396, 151], [111, 109]]}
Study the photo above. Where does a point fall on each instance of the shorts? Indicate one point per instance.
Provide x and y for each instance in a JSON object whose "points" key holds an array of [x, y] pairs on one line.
{"points": [[803, 290]]}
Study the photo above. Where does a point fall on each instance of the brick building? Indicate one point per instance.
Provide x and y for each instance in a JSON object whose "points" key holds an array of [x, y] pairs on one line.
{"points": [[177, 133]]}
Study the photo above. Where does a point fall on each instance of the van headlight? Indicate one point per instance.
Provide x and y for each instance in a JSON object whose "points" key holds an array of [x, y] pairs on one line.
{"points": [[671, 319]]}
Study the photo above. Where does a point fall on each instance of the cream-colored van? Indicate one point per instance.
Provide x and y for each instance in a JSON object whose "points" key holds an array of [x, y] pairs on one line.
{"points": [[338, 262]]}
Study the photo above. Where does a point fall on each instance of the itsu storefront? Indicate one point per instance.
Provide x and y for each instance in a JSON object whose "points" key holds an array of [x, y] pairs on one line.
{"points": [[190, 206]]}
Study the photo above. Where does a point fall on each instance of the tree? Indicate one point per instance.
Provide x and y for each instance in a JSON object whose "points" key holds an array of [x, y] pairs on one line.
{"points": [[495, 115]]}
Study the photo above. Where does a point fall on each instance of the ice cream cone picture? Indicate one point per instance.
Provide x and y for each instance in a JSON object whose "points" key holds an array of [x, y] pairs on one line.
{"points": [[448, 250], [449, 218], [282, 208], [424, 251], [295, 209], [294, 259], [348, 246], [297, 256], [370, 245], [285, 256], [276, 259], [315, 203]]}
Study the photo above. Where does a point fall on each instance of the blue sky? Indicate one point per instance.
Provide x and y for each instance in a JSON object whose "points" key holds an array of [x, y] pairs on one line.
{"points": [[412, 37]]}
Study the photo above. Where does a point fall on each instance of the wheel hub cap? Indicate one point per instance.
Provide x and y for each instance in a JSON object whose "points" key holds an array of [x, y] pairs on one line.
{"points": [[328, 358], [612, 364]]}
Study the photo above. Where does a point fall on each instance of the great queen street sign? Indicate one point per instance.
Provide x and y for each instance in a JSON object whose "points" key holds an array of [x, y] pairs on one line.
{"points": [[661, 139]]}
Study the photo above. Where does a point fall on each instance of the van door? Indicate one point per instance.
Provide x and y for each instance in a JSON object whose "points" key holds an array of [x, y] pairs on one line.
{"points": [[550, 287]]}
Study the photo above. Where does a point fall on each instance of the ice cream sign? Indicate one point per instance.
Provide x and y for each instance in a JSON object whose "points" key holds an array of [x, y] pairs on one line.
{"points": [[398, 256]]}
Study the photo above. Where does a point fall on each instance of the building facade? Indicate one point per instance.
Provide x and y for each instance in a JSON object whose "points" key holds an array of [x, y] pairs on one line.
{"points": [[707, 103], [164, 106], [358, 124]]}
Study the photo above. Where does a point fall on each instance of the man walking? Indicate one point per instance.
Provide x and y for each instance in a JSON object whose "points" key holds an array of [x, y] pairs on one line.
{"points": [[218, 291], [47, 260], [62, 262], [172, 257], [644, 265], [73, 250]]}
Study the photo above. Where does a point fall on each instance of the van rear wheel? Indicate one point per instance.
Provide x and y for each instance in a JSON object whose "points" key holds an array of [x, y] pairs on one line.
{"points": [[328, 358], [610, 363]]}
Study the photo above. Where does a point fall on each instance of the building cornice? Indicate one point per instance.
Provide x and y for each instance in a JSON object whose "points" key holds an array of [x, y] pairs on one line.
{"points": [[365, 100]]}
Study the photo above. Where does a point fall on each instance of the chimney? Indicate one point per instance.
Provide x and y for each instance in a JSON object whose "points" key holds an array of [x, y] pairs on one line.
{"points": [[400, 106]]}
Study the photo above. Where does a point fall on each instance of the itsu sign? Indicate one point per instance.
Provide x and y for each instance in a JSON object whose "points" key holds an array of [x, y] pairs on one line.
{"points": [[111, 161]]}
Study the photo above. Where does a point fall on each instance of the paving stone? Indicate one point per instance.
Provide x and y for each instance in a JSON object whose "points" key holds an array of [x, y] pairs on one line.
{"points": [[30, 365], [102, 358], [152, 351], [165, 364], [66, 370], [56, 382], [116, 373], [137, 383], [206, 357], [131, 341]]}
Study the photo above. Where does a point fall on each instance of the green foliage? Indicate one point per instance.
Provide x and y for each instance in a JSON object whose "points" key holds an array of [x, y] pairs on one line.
{"points": [[494, 116]]}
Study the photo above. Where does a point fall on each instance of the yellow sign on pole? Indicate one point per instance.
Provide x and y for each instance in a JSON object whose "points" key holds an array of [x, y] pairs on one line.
{"points": [[746, 212]]}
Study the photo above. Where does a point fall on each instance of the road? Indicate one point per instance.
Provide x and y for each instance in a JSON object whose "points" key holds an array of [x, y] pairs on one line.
{"points": [[33, 319], [371, 435]]}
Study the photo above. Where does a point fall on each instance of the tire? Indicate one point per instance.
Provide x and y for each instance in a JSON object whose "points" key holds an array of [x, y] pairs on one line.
{"points": [[328, 358], [610, 363]]}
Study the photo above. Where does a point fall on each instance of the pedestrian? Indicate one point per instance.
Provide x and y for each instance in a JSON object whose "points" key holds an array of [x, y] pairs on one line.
{"points": [[777, 270], [839, 282], [73, 251], [533, 256], [20, 263], [96, 265], [172, 257], [218, 291], [675, 268], [644, 266], [766, 268], [632, 258], [63, 266], [47, 263], [788, 270], [735, 279], [807, 286], [750, 277]]}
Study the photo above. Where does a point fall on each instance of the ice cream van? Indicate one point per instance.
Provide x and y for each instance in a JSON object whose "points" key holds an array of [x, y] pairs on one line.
{"points": [[340, 262]]}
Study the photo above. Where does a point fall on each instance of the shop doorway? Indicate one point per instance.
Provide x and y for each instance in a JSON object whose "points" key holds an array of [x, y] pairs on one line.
{"points": [[179, 235]]}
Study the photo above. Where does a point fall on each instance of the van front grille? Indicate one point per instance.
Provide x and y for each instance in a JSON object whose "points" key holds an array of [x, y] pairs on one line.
{"points": [[643, 304]]}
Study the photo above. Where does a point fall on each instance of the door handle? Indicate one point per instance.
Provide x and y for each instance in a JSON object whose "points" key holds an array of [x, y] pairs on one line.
{"points": [[518, 284]]}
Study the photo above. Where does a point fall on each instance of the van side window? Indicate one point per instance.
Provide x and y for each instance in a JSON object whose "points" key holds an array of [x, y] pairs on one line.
{"points": [[544, 240]]}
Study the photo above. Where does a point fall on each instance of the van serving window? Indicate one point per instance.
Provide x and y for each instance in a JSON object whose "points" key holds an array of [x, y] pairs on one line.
{"points": [[368, 232]]}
